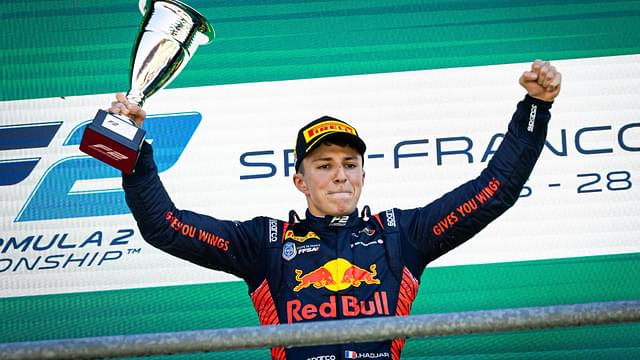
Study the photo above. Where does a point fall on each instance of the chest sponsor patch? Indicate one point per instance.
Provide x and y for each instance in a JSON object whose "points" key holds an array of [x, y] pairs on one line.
{"points": [[289, 251], [365, 231], [367, 243], [336, 275], [290, 235], [346, 306], [339, 221]]}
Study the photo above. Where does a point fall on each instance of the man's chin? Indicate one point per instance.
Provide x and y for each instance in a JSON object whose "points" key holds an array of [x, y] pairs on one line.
{"points": [[342, 210]]}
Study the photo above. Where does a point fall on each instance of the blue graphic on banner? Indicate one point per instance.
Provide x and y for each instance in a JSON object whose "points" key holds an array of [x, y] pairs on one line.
{"points": [[20, 137], [27, 136], [53, 197], [14, 171]]}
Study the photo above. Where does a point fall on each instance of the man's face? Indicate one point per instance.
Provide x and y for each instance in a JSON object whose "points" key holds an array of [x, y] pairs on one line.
{"points": [[332, 180]]}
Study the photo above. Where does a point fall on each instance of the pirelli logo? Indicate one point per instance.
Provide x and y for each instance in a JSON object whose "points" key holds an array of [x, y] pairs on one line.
{"points": [[327, 127]]}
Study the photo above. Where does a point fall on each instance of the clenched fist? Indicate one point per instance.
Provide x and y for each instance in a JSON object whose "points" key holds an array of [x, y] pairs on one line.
{"points": [[542, 81]]}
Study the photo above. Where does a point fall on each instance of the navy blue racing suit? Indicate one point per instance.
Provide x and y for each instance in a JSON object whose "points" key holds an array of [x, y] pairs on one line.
{"points": [[356, 266]]}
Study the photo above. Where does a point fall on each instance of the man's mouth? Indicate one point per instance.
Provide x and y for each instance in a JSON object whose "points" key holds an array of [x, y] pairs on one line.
{"points": [[339, 192]]}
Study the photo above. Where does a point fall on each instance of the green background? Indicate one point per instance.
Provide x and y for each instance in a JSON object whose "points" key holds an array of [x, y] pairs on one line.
{"points": [[68, 48], [64, 48]]}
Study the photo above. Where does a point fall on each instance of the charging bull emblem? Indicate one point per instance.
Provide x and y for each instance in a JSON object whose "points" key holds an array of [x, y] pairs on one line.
{"points": [[336, 275]]}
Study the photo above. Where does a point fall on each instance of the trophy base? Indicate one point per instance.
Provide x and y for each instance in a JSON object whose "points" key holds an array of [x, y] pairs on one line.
{"points": [[114, 140]]}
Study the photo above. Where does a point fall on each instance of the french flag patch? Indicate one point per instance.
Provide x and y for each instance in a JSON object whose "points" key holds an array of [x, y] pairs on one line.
{"points": [[350, 354]]}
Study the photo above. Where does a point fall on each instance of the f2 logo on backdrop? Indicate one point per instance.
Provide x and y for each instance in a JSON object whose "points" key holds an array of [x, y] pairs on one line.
{"points": [[54, 197]]}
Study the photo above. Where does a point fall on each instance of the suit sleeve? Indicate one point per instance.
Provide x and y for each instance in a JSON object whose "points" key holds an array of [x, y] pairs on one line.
{"points": [[229, 246], [458, 215]]}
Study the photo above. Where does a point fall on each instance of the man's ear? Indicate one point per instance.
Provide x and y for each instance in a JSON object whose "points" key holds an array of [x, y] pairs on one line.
{"points": [[300, 184]]}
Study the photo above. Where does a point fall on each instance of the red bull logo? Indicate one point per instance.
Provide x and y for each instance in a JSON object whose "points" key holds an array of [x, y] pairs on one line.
{"points": [[319, 278], [290, 235], [336, 275], [356, 276], [351, 306]]}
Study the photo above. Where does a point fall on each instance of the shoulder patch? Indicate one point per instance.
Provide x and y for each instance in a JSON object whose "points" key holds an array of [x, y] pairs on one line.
{"points": [[289, 251]]}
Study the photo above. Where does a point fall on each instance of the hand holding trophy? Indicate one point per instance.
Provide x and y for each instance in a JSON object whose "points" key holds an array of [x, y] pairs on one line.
{"points": [[170, 33]]}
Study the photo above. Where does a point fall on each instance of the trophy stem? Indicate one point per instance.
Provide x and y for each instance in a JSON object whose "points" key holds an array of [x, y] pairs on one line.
{"points": [[135, 98]]}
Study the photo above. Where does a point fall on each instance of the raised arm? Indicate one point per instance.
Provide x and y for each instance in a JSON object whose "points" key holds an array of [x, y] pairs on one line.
{"points": [[460, 214], [233, 247]]}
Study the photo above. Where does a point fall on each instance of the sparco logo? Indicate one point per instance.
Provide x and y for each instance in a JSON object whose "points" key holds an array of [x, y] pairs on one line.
{"points": [[273, 230], [532, 118], [323, 357], [391, 218]]}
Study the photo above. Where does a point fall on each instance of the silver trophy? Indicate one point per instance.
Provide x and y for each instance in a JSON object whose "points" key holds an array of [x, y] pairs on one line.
{"points": [[170, 33]]}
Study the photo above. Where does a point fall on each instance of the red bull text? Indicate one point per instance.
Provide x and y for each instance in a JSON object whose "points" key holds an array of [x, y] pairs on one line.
{"points": [[351, 306]]}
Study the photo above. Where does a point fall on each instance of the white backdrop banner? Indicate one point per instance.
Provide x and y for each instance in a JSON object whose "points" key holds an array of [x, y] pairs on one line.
{"points": [[227, 151]]}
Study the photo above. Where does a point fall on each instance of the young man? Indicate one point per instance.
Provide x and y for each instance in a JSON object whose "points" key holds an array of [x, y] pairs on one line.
{"points": [[338, 263]]}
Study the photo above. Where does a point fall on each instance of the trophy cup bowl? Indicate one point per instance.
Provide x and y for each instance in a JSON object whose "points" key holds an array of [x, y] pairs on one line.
{"points": [[169, 35]]}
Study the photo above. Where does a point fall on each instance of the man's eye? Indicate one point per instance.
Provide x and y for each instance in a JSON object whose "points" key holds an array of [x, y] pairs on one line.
{"points": [[351, 166], [324, 166]]}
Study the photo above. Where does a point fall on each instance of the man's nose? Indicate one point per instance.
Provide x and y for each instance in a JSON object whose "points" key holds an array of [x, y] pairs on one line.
{"points": [[340, 175]]}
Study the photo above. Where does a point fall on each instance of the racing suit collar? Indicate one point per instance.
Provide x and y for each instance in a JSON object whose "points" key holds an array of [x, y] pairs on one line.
{"points": [[334, 221]]}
